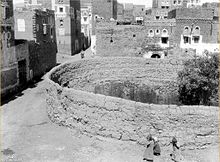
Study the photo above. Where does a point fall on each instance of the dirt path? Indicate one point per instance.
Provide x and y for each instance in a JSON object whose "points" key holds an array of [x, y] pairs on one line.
{"points": [[29, 136]]}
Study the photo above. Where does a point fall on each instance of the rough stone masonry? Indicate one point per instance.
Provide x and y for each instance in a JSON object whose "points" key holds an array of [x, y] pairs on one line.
{"points": [[196, 127]]}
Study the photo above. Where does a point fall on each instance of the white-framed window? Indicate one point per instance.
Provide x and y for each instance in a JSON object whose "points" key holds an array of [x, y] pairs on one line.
{"points": [[186, 40], [44, 29], [157, 31], [164, 31], [151, 33], [61, 22], [85, 19], [196, 39], [164, 40], [186, 29], [197, 28], [61, 9]]}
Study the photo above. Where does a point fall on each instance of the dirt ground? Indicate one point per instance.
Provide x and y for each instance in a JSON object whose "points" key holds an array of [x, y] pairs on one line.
{"points": [[29, 136]]}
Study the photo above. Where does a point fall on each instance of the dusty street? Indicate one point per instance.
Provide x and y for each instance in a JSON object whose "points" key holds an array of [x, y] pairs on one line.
{"points": [[29, 136]]}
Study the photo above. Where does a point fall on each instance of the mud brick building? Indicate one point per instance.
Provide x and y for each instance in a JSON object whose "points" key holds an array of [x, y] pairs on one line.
{"points": [[9, 64], [105, 8], [86, 22], [38, 28], [120, 11], [68, 23], [194, 27], [139, 13], [161, 31], [160, 8], [128, 12]]}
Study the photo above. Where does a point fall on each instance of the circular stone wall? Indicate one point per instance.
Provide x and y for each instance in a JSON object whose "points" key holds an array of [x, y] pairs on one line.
{"points": [[72, 103], [147, 81]]}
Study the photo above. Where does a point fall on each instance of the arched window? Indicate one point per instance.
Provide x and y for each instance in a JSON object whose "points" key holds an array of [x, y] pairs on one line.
{"points": [[151, 33], [157, 31], [165, 31], [186, 29], [197, 28]]}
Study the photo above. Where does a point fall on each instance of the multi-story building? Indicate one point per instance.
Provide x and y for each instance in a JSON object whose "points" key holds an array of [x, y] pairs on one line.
{"points": [[215, 6], [68, 26], [68, 23], [161, 32], [128, 11], [194, 3], [160, 8], [9, 64], [86, 22], [139, 13], [120, 11], [105, 9], [38, 28], [195, 28]]}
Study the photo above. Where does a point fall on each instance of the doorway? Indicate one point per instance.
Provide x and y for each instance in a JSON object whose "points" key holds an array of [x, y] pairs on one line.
{"points": [[22, 72]]}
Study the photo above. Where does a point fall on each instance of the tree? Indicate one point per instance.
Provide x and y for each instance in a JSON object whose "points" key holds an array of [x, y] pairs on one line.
{"points": [[198, 81]]}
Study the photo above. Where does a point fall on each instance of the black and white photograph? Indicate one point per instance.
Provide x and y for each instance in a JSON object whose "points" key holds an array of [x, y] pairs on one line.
{"points": [[109, 81]]}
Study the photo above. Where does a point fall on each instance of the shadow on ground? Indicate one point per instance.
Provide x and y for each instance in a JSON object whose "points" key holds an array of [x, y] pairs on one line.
{"points": [[19, 92]]}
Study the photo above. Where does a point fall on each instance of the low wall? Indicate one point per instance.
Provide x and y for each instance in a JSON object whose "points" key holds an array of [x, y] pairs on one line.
{"points": [[194, 126]]}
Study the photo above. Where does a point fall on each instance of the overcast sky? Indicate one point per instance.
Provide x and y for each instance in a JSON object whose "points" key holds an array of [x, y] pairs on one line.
{"points": [[147, 3]]}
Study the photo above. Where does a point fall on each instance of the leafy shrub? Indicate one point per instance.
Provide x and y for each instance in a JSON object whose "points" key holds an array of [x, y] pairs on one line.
{"points": [[198, 81]]}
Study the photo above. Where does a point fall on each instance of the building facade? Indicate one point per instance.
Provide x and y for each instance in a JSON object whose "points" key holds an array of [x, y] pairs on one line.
{"points": [[9, 63], [86, 22], [196, 29], [161, 32], [161, 8], [38, 28], [68, 23], [105, 9], [68, 26], [139, 13], [120, 11]]}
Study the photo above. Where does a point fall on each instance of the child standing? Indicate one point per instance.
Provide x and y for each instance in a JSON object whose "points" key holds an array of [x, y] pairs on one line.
{"points": [[175, 155], [149, 152]]}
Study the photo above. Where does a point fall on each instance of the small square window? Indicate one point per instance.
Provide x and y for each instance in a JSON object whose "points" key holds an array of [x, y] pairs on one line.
{"points": [[61, 9], [186, 40], [85, 19], [61, 23], [196, 39], [157, 17]]}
